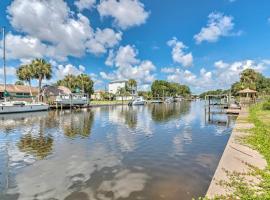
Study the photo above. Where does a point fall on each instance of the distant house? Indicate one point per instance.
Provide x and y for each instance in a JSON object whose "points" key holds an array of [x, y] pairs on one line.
{"points": [[114, 86], [50, 92], [17, 91], [97, 95]]}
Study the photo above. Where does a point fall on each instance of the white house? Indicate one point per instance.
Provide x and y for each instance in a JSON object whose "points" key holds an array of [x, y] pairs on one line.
{"points": [[114, 86]]}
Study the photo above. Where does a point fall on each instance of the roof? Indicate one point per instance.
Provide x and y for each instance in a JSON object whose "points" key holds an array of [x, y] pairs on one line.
{"points": [[247, 90], [99, 91], [18, 88], [118, 81], [55, 90]]}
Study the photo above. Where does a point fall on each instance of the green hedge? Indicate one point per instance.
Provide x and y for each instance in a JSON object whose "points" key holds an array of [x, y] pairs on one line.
{"points": [[266, 105]]}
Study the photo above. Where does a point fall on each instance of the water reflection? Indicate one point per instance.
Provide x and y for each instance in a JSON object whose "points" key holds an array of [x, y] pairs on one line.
{"points": [[130, 115], [145, 152], [78, 124], [165, 112]]}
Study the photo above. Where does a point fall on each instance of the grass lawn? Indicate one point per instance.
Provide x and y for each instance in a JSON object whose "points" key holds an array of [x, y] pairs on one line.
{"points": [[258, 139]]}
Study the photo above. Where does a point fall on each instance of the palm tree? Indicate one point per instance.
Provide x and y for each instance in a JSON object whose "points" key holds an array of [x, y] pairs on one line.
{"points": [[85, 83], [42, 70], [132, 85], [25, 73], [19, 83], [69, 81], [122, 92]]}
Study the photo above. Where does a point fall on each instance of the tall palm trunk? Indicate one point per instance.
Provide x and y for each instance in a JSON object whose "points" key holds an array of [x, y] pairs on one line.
{"points": [[39, 87], [30, 89]]}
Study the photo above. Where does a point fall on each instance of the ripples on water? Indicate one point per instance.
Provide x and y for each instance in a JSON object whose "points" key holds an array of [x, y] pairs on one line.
{"points": [[147, 152]]}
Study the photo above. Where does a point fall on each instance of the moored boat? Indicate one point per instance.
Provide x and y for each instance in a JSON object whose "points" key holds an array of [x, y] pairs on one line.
{"points": [[7, 107], [21, 106], [138, 101], [72, 99]]}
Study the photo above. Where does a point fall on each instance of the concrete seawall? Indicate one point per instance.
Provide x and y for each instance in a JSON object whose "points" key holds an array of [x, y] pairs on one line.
{"points": [[236, 158]]}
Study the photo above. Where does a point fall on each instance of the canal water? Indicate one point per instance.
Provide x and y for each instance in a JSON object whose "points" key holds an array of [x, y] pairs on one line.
{"points": [[148, 152]]}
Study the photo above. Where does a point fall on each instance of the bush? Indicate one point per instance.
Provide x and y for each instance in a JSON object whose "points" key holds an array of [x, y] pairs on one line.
{"points": [[266, 105]]}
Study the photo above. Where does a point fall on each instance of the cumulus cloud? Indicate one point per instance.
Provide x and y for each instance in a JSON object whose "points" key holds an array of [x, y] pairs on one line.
{"points": [[24, 47], [65, 33], [102, 40], [10, 71], [129, 66], [84, 4], [63, 70], [126, 13], [223, 76], [178, 54], [218, 25]]}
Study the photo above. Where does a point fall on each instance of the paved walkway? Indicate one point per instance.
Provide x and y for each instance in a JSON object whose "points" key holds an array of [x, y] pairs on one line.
{"points": [[234, 158]]}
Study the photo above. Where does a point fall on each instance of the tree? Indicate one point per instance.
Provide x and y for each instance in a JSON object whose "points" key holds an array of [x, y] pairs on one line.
{"points": [[85, 83], [25, 73], [19, 83], [42, 70], [132, 85], [122, 92], [249, 78], [82, 82], [161, 88], [69, 81]]}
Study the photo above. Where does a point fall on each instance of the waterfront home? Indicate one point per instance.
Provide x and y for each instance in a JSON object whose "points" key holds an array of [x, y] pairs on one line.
{"points": [[114, 87], [97, 95], [50, 92], [18, 91]]}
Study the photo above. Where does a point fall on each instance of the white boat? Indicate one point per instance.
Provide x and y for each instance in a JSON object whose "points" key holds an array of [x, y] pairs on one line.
{"points": [[138, 101], [21, 106], [7, 107], [72, 99], [169, 100]]}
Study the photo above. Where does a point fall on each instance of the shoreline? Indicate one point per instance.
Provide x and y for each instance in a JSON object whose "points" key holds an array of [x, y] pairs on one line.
{"points": [[237, 157]]}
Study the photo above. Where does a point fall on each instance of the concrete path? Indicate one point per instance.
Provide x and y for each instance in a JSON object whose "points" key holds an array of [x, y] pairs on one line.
{"points": [[235, 157]]}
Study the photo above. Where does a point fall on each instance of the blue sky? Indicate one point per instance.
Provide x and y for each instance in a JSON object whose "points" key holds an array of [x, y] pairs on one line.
{"points": [[204, 44]]}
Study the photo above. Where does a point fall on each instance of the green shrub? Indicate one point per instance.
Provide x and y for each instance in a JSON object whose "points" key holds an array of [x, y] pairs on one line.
{"points": [[266, 105]]}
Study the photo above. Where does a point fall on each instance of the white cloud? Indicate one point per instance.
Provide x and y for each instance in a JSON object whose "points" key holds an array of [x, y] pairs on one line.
{"points": [[221, 65], [84, 4], [61, 71], [168, 70], [218, 25], [24, 47], [129, 66], [53, 25], [102, 40], [126, 13], [222, 77], [10, 71], [178, 54]]}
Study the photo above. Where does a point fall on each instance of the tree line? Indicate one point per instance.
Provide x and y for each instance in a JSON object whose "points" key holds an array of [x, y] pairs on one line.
{"points": [[40, 69], [249, 78]]}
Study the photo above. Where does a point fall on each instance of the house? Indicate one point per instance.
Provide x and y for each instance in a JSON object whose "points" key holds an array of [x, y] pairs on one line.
{"points": [[18, 91], [114, 86], [50, 92], [97, 95]]}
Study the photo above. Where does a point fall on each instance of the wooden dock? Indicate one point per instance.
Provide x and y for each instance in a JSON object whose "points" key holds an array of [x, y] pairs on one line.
{"points": [[232, 111]]}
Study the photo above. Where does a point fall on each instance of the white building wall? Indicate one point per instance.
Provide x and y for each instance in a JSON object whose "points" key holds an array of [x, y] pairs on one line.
{"points": [[114, 86]]}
